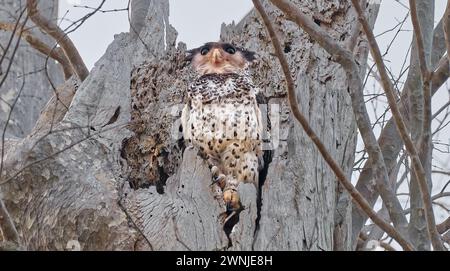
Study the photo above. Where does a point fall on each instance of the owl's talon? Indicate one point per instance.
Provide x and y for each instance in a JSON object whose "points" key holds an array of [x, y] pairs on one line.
{"points": [[228, 215], [229, 208], [231, 199]]}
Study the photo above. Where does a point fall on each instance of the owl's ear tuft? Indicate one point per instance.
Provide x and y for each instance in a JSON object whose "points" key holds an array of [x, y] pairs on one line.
{"points": [[190, 54], [248, 55]]}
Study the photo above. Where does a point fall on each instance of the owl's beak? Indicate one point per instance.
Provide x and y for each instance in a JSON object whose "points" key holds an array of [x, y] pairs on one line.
{"points": [[216, 56]]}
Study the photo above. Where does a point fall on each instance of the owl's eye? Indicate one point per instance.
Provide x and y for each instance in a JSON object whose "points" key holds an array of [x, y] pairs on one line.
{"points": [[204, 51], [231, 50]]}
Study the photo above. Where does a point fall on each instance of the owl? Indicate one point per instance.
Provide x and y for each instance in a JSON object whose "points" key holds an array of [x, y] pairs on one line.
{"points": [[221, 117]]}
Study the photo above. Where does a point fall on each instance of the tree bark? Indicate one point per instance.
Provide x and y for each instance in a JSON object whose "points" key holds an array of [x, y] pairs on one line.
{"points": [[114, 172], [418, 227]]}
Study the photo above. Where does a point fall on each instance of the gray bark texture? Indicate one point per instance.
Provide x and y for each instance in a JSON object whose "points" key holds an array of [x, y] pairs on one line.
{"points": [[418, 226], [114, 173], [35, 88]]}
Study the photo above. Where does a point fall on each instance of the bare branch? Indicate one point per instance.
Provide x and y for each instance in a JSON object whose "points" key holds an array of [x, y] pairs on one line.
{"points": [[420, 113], [442, 108], [389, 139], [61, 38], [444, 226], [344, 56], [403, 130], [440, 75], [346, 59], [441, 172], [16, 25], [57, 54], [446, 25], [419, 41], [2, 81], [355, 33]]}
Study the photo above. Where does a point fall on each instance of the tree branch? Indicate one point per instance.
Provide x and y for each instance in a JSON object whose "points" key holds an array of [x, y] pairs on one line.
{"points": [[61, 38], [389, 139], [343, 56], [421, 108], [446, 25], [55, 53], [423, 63], [346, 59], [444, 226], [403, 130], [355, 33]]}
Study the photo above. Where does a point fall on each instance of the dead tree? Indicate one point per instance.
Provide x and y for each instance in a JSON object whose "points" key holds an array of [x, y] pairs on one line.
{"points": [[113, 173]]}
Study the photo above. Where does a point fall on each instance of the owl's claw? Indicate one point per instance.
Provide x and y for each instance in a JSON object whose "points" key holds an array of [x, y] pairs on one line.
{"points": [[231, 214], [229, 207], [231, 199]]}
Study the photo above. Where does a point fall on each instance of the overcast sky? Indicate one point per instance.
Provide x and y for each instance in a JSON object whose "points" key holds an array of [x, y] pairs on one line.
{"points": [[199, 21]]}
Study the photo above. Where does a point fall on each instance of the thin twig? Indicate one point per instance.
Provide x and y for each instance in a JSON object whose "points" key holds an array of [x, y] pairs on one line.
{"points": [[101, 10], [441, 172]]}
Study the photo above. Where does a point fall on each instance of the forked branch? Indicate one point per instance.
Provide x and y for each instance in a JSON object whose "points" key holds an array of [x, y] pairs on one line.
{"points": [[55, 53], [61, 38]]}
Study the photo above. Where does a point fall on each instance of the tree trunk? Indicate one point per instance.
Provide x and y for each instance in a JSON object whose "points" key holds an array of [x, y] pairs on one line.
{"points": [[115, 174]]}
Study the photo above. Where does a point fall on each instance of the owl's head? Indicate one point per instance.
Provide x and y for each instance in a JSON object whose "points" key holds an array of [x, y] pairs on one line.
{"points": [[219, 57]]}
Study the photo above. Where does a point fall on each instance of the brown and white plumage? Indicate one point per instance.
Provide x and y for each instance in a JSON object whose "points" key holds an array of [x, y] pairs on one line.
{"points": [[222, 118]]}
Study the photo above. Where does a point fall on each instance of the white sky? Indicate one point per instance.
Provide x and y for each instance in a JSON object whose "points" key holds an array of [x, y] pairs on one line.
{"points": [[198, 21]]}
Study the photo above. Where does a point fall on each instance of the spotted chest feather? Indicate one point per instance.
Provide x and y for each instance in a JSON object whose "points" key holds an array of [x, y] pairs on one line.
{"points": [[222, 88], [223, 120]]}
